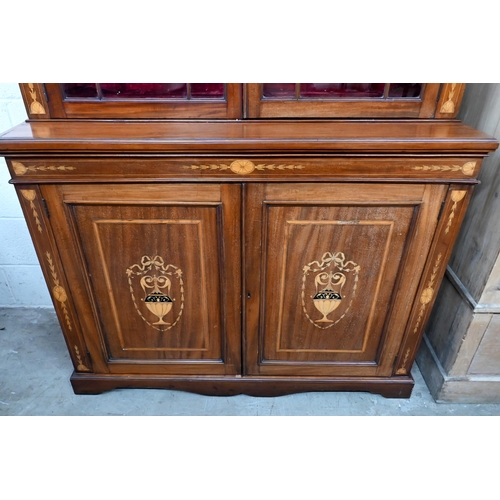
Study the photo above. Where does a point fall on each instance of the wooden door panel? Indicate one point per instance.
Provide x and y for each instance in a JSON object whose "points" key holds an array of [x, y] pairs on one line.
{"points": [[325, 285], [156, 299], [156, 267], [334, 295]]}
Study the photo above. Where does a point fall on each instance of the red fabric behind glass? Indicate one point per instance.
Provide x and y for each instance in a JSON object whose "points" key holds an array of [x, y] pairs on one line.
{"points": [[341, 90]]}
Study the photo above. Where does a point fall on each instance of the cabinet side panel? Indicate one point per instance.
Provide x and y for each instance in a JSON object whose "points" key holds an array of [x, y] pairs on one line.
{"points": [[32, 202], [451, 217]]}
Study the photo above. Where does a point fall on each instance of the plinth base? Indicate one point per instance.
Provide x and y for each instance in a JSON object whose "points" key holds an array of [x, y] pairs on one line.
{"points": [[395, 387]]}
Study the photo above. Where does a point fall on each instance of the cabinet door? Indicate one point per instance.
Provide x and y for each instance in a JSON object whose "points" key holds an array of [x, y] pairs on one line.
{"points": [[154, 271], [330, 288], [342, 100], [139, 100]]}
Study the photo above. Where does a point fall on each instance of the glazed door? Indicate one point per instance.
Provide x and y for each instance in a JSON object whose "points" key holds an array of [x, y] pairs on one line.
{"points": [[329, 291], [139, 100], [341, 100], [155, 273]]}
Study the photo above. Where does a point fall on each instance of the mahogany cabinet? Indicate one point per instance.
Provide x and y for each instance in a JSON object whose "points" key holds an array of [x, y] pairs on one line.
{"points": [[257, 257]]}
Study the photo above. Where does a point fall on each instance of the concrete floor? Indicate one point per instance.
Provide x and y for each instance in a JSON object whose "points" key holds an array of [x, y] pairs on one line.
{"points": [[35, 370]]}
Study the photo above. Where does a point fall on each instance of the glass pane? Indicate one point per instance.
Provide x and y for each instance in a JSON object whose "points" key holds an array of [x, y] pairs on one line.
{"points": [[279, 90], [144, 90], [341, 90], [80, 90], [405, 89], [207, 90]]}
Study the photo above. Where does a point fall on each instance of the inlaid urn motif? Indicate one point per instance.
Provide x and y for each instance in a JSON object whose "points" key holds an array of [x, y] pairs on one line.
{"points": [[157, 302], [327, 300], [330, 276], [155, 279]]}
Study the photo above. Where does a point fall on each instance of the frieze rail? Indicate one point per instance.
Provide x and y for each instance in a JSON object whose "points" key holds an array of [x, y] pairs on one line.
{"points": [[243, 167], [21, 169], [467, 168]]}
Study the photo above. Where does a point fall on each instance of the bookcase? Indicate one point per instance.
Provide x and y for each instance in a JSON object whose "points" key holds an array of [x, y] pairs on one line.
{"points": [[244, 238]]}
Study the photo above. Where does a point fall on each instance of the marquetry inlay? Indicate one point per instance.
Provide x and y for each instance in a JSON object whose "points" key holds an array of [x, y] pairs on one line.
{"points": [[466, 168], [30, 195], [155, 279], [81, 367], [403, 370], [456, 196], [58, 291], [243, 167], [449, 105], [329, 280], [36, 107], [425, 297], [21, 169]]}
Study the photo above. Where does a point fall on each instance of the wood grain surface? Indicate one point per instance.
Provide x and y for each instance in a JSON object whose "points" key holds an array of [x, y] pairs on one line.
{"points": [[286, 136]]}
